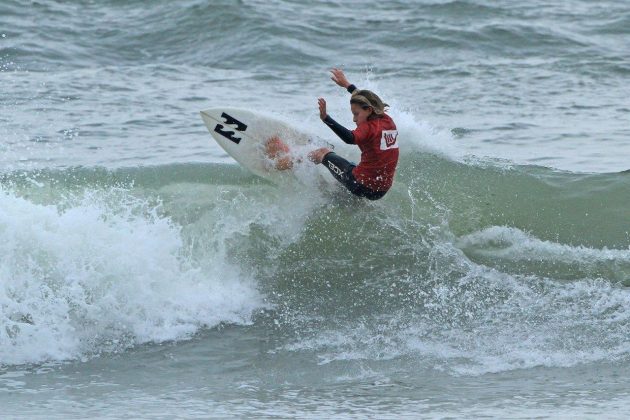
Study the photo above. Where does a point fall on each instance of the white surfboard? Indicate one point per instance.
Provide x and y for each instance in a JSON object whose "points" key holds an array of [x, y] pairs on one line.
{"points": [[243, 135]]}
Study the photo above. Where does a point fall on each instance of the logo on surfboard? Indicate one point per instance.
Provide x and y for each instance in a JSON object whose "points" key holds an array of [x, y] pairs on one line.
{"points": [[233, 123]]}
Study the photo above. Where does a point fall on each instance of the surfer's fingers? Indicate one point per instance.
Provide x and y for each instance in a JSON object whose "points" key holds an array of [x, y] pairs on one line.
{"points": [[337, 75], [322, 108]]}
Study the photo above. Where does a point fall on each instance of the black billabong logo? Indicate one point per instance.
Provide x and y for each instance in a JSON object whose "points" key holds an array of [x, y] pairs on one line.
{"points": [[234, 123]]}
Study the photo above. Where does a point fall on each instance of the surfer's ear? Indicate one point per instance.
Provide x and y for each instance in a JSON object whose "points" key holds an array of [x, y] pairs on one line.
{"points": [[369, 109]]}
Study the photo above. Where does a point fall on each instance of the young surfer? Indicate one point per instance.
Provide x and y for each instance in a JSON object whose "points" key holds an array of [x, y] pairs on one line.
{"points": [[375, 135]]}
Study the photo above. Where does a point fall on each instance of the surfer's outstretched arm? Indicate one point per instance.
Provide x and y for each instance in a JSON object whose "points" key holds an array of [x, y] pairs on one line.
{"points": [[340, 79], [341, 131]]}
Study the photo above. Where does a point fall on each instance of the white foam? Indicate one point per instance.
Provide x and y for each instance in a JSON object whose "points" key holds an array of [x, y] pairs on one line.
{"points": [[94, 277], [514, 244], [469, 319]]}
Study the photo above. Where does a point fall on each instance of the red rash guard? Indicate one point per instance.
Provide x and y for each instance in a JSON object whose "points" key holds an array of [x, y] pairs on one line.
{"points": [[377, 139]]}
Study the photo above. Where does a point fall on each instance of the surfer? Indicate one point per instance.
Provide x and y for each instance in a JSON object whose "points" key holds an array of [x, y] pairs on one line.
{"points": [[375, 135]]}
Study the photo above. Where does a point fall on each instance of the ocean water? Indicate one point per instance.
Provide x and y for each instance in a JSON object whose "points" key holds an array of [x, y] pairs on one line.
{"points": [[143, 273]]}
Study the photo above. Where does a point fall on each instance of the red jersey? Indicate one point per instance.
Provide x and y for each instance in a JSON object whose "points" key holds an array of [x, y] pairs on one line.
{"points": [[377, 139]]}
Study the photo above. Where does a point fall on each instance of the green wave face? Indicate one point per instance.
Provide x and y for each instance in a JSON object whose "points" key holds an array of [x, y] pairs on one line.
{"points": [[481, 206], [454, 254]]}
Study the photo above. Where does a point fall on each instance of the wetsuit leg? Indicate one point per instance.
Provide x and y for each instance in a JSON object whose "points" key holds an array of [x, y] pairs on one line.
{"points": [[341, 169]]}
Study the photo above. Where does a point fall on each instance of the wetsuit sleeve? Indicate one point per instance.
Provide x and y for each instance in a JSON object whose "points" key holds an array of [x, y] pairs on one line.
{"points": [[343, 133]]}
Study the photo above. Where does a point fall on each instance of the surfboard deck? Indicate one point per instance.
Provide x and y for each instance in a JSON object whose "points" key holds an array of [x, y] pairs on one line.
{"points": [[243, 135]]}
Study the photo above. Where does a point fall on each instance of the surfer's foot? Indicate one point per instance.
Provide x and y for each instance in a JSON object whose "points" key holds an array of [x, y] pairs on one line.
{"points": [[284, 163], [317, 155], [278, 150], [276, 147]]}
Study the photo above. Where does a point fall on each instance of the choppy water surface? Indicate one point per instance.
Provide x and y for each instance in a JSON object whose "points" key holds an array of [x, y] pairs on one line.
{"points": [[143, 271]]}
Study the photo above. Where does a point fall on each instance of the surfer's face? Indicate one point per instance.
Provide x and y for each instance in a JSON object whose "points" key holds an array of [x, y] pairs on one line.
{"points": [[360, 114]]}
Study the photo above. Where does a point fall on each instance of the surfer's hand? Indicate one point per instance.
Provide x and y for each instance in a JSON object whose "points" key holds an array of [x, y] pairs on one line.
{"points": [[317, 155], [339, 78], [322, 108]]}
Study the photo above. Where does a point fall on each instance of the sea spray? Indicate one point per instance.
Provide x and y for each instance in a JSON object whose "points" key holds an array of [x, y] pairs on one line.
{"points": [[103, 275]]}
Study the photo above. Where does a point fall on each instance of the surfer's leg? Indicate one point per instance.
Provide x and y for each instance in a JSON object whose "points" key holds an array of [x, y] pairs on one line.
{"points": [[341, 169]]}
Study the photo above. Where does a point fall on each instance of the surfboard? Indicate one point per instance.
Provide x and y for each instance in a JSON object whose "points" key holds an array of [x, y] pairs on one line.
{"points": [[243, 134]]}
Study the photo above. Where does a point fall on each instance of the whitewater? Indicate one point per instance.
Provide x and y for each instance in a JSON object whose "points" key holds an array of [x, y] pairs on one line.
{"points": [[143, 272]]}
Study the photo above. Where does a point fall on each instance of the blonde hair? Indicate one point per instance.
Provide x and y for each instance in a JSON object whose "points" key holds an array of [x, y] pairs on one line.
{"points": [[366, 98]]}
